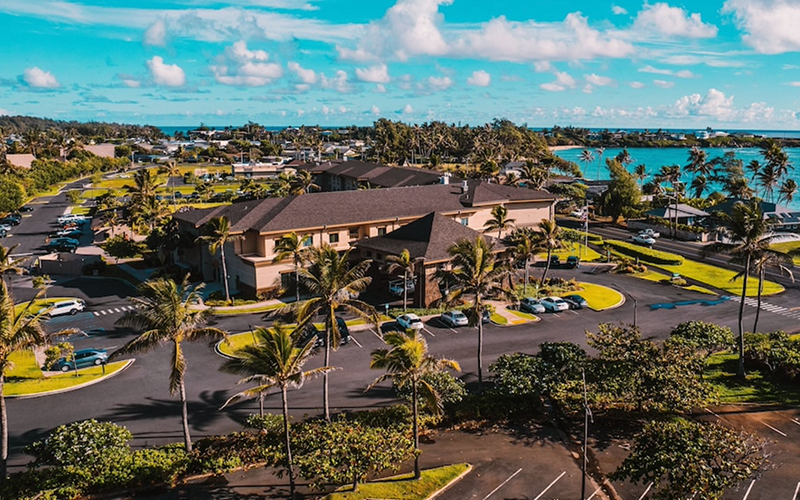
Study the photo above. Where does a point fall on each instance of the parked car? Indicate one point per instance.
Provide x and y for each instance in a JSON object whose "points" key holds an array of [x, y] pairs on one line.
{"points": [[410, 321], [66, 241], [650, 232], [11, 221], [26, 208], [575, 301], [311, 332], [643, 240], [531, 305], [73, 233], [57, 246], [72, 306], [3, 233], [554, 304], [80, 359], [576, 213], [555, 261], [573, 261], [454, 318], [80, 219], [396, 287], [5, 227], [486, 316]]}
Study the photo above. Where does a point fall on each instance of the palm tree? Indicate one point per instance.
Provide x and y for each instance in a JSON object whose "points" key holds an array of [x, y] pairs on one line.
{"points": [[745, 229], [499, 221], [525, 248], [172, 171], [548, 238], [333, 284], [18, 332], [166, 312], [292, 245], [672, 174], [405, 264], [761, 262], [302, 183], [475, 271], [787, 191], [144, 184], [699, 185], [600, 152], [697, 161], [768, 178], [754, 167], [216, 233], [9, 265], [640, 173], [273, 361], [586, 157], [407, 361], [282, 185]]}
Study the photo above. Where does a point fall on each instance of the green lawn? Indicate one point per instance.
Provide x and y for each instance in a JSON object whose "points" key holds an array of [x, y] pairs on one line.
{"points": [[523, 315], [599, 297], [585, 253], [40, 303], [720, 278], [216, 311], [27, 378], [403, 486], [787, 247], [756, 388], [498, 319], [659, 278], [80, 210]]}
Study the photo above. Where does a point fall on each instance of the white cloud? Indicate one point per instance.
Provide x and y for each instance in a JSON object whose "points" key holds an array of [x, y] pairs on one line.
{"points": [[307, 76], [170, 75], [480, 79], [794, 84], [4, 112], [713, 105], [664, 84], [131, 83], [588, 88], [338, 82], [240, 66], [552, 87], [790, 66], [375, 110], [40, 79], [562, 83], [600, 81], [373, 74], [156, 34], [542, 66], [657, 71], [380, 88], [619, 11], [407, 109], [440, 82], [637, 85], [673, 21], [685, 74], [758, 112], [770, 25]]}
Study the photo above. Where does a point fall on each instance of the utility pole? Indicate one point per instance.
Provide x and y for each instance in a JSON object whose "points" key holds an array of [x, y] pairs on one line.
{"points": [[587, 415]]}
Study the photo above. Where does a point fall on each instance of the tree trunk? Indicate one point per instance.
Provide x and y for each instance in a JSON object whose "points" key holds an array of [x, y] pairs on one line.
{"points": [[187, 438], [547, 265], [740, 371], [297, 282], [405, 291], [415, 425], [328, 341], [261, 405], [525, 285], [289, 463], [480, 343], [760, 291], [225, 273], [3, 431]]}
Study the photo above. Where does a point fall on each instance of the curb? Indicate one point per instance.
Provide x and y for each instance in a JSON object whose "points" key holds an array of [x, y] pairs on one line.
{"points": [[609, 308], [76, 387], [451, 483]]}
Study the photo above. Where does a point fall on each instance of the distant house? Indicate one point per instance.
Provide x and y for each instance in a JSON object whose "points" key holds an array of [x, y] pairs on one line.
{"points": [[783, 218], [686, 214], [20, 160], [351, 175], [101, 150]]}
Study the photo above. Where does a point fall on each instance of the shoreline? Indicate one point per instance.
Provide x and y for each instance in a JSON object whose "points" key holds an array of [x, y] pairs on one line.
{"points": [[563, 148]]}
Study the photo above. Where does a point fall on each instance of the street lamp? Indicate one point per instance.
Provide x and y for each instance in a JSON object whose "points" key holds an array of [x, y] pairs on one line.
{"points": [[635, 305], [587, 415]]}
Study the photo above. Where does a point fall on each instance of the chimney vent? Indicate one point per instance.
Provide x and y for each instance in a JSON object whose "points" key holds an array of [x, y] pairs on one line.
{"points": [[464, 186]]}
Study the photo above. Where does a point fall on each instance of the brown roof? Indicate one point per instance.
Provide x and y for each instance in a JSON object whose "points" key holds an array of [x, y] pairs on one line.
{"points": [[376, 174], [427, 238], [316, 210]]}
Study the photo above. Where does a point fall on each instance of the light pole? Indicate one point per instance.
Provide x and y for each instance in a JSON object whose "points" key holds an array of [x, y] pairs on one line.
{"points": [[587, 415], [635, 305]]}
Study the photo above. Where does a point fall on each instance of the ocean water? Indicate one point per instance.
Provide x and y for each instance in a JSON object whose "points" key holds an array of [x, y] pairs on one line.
{"points": [[655, 158]]}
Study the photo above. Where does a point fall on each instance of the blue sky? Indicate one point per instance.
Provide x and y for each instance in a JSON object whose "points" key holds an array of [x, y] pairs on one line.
{"points": [[723, 64]]}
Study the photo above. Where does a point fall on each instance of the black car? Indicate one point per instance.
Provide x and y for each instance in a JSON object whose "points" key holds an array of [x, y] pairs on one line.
{"points": [[26, 209], [310, 331], [12, 221], [60, 246], [555, 261]]}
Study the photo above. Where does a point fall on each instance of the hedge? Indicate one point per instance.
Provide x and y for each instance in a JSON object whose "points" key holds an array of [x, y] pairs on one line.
{"points": [[581, 235], [645, 254]]}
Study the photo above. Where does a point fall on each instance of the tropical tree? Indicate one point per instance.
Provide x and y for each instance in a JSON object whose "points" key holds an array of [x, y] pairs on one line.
{"points": [[9, 264], [167, 313], [172, 170], [525, 249], [294, 246], [334, 285], [216, 233], [586, 157], [640, 173], [18, 331], [302, 183], [787, 191], [745, 233], [405, 264], [144, 184], [273, 361], [549, 238], [672, 174], [499, 221], [600, 152], [761, 261], [407, 362], [475, 271], [698, 159]]}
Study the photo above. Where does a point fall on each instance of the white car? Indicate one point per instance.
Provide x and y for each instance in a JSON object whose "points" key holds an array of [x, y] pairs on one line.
{"points": [[576, 213], [73, 306], [649, 232], [531, 305], [71, 218], [409, 321], [454, 318], [5, 227], [554, 304], [643, 239]]}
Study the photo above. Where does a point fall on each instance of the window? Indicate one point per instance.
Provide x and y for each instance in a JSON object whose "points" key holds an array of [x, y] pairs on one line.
{"points": [[276, 243], [369, 254], [465, 221], [308, 241], [381, 231], [353, 234], [333, 237], [378, 256]]}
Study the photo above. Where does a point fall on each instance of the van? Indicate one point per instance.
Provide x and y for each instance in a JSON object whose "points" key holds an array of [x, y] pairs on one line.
{"points": [[72, 306]]}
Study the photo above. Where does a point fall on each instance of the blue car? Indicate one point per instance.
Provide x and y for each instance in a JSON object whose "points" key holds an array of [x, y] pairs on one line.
{"points": [[82, 359]]}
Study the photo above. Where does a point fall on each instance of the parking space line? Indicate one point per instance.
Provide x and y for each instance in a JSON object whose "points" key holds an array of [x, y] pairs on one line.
{"points": [[796, 490], [453, 330], [573, 312], [748, 489], [375, 333], [549, 485], [356, 341], [646, 491], [428, 332], [503, 483], [774, 429], [595, 493], [796, 421]]}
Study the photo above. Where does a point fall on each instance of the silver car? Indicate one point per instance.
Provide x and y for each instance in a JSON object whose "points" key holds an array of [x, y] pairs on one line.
{"points": [[531, 305], [454, 318], [555, 304]]}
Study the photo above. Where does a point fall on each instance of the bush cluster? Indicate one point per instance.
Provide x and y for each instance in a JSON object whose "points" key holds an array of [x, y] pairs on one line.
{"points": [[775, 351], [645, 254]]}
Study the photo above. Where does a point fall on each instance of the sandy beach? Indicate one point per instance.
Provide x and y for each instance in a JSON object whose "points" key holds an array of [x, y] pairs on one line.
{"points": [[562, 148]]}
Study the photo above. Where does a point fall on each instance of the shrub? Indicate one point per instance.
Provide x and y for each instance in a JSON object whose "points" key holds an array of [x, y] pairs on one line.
{"points": [[54, 352], [645, 254], [576, 235], [89, 444]]}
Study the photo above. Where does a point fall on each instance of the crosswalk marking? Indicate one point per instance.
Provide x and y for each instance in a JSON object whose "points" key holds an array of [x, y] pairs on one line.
{"points": [[793, 312]]}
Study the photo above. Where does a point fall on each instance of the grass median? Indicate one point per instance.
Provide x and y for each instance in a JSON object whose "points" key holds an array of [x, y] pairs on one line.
{"points": [[720, 278], [756, 388], [404, 486], [27, 378], [599, 297]]}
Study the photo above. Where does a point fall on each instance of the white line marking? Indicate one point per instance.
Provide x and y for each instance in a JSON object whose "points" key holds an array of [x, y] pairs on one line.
{"points": [[103, 313], [549, 485], [96, 313], [357, 342], [795, 421], [595, 493], [117, 309], [748, 490], [452, 330], [375, 333], [795, 491], [428, 332], [645, 491], [503, 483], [774, 429]]}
